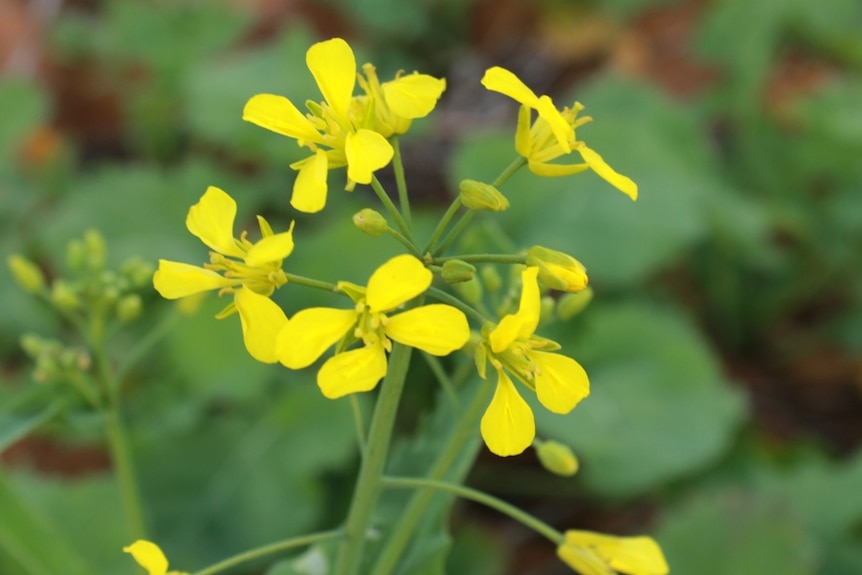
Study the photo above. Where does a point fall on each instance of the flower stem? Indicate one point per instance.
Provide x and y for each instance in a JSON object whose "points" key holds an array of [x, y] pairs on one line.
{"points": [[304, 281], [404, 527], [516, 165], [486, 258], [444, 222], [122, 460], [368, 484], [404, 241], [536, 525], [270, 549], [401, 182], [390, 207], [453, 301]]}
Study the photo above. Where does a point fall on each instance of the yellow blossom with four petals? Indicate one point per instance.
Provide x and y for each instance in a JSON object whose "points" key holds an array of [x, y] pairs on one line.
{"points": [[149, 556], [552, 135], [438, 329], [591, 553], [560, 382], [249, 271]]}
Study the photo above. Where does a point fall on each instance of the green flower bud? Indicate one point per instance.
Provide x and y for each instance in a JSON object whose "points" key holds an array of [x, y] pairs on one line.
{"points": [[491, 278], [457, 271], [481, 196], [27, 275], [64, 296], [371, 222], [547, 307], [556, 457], [75, 255], [32, 344], [557, 270], [95, 250], [129, 307], [572, 304], [138, 272], [470, 290]]}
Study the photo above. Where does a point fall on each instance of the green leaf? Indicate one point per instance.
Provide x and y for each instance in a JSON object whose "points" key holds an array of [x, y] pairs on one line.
{"points": [[659, 408]]}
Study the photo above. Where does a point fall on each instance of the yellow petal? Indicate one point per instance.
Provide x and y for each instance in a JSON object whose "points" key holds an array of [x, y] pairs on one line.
{"points": [[310, 332], [520, 325], [271, 248], [399, 280], [261, 320], [309, 188], [607, 173], [523, 134], [211, 221], [366, 152], [174, 280], [563, 131], [561, 381], [279, 115], [149, 556], [438, 329], [583, 560], [334, 69], [635, 555], [507, 427], [413, 96], [547, 170], [352, 371], [500, 80]]}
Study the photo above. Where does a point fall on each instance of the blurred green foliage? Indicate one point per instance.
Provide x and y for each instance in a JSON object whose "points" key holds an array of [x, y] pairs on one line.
{"points": [[749, 223]]}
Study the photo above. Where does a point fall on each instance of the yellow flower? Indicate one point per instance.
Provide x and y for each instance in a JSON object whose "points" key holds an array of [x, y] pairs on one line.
{"points": [[437, 329], [150, 557], [343, 130], [558, 270], [552, 134], [249, 271], [560, 382], [596, 554]]}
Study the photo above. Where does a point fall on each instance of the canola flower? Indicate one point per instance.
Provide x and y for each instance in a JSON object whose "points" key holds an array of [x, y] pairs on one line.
{"points": [[508, 426], [591, 553], [438, 329], [343, 130], [149, 556], [552, 135], [249, 271]]}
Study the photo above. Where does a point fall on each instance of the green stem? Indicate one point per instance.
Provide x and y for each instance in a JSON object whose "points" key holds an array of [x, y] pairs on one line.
{"points": [[122, 460], [304, 281], [444, 380], [536, 525], [390, 207], [401, 182], [453, 301], [146, 343], [456, 231], [486, 258], [359, 422], [404, 241], [270, 549], [444, 222], [516, 165], [368, 484], [404, 527]]}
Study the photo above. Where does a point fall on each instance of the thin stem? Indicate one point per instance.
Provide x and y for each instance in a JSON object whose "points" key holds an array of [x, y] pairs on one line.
{"points": [[359, 422], [368, 484], [486, 258], [400, 181], [270, 549], [516, 165], [444, 380], [452, 300], [390, 207], [122, 460], [407, 243], [404, 527], [304, 281], [456, 231], [146, 343], [536, 525], [444, 222]]}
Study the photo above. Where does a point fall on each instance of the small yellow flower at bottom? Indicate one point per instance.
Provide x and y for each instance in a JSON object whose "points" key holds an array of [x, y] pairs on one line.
{"points": [[591, 553], [150, 557]]}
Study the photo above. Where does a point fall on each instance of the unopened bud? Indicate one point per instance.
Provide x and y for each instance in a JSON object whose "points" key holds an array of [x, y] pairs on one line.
{"points": [[137, 271], [64, 297], [27, 275], [557, 270], [457, 271], [572, 304], [129, 307], [557, 457], [32, 344], [491, 279], [95, 249], [547, 307], [371, 222], [75, 255], [470, 290], [481, 196]]}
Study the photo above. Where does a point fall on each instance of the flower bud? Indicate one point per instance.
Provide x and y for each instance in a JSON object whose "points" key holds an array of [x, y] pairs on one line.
{"points": [[27, 275], [64, 297], [470, 290], [572, 304], [547, 307], [457, 271], [95, 249], [481, 196], [129, 307], [137, 271], [75, 255], [371, 222], [491, 279], [557, 458], [32, 344], [557, 270]]}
